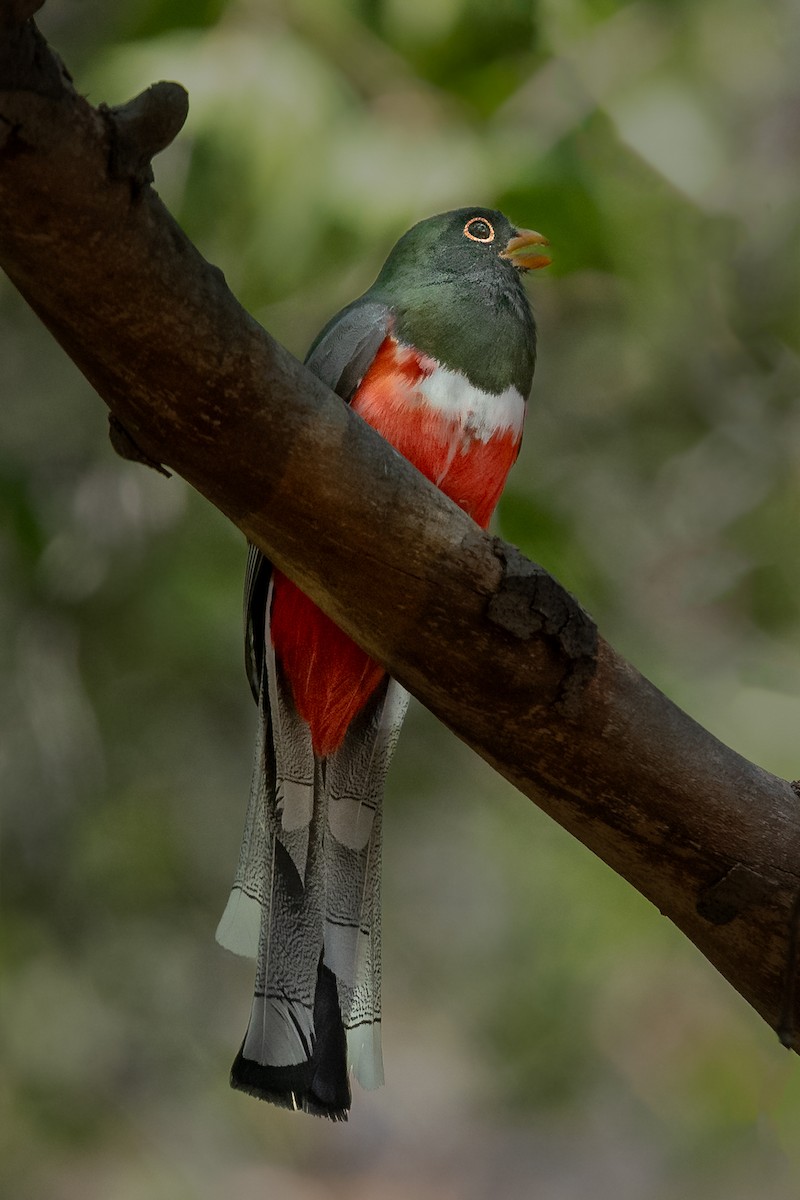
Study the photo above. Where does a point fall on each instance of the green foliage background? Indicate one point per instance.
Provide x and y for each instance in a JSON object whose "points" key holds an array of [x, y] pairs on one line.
{"points": [[547, 1033]]}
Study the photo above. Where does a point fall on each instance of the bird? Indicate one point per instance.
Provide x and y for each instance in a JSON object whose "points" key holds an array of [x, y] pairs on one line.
{"points": [[438, 356]]}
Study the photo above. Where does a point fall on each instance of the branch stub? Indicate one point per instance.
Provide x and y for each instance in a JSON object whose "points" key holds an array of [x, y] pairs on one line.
{"points": [[142, 128]]}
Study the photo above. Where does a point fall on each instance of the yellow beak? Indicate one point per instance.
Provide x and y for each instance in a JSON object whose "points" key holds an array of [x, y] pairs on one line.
{"points": [[519, 252]]}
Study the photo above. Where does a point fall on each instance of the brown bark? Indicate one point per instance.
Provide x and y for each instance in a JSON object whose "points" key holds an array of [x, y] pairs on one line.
{"points": [[483, 637]]}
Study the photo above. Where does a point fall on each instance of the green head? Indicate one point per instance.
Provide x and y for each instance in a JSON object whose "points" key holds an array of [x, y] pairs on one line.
{"points": [[454, 284], [478, 245]]}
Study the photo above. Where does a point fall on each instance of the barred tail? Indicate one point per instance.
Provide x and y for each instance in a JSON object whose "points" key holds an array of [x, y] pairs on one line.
{"points": [[306, 903]]}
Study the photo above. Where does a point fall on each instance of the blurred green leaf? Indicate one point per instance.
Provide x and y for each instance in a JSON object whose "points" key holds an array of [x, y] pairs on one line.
{"points": [[543, 1023]]}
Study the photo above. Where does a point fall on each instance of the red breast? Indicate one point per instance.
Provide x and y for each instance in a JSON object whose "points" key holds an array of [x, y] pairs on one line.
{"points": [[465, 441]]}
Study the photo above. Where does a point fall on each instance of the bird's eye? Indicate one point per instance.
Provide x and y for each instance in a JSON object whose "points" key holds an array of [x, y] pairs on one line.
{"points": [[478, 229]]}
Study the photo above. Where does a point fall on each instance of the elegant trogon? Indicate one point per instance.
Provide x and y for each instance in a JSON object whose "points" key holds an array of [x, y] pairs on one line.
{"points": [[438, 356]]}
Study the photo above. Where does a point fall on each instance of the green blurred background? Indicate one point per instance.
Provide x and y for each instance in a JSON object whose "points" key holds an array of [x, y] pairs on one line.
{"points": [[547, 1033]]}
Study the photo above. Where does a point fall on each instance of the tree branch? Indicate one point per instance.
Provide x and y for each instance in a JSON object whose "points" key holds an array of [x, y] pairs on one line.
{"points": [[486, 639]]}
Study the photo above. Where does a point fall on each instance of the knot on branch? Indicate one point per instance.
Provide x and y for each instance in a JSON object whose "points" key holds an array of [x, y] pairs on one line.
{"points": [[738, 890], [142, 128], [529, 603], [127, 448]]}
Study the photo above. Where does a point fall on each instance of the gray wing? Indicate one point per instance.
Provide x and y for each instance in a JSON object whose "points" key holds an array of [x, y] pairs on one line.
{"points": [[343, 352], [340, 356]]}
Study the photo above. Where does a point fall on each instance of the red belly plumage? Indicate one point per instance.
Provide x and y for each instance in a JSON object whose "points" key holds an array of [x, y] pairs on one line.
{"points": [[330, 676]]}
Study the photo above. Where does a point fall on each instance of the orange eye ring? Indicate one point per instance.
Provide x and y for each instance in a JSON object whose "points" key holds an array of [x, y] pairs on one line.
{"points": [[484, 231]]}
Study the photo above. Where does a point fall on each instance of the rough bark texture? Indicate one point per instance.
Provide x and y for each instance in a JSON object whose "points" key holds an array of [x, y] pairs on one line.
{"points": [[486, 639]]}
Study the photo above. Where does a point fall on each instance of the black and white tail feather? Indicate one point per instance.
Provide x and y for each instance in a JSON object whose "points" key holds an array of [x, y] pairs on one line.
{"points": [[306, 898]]}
